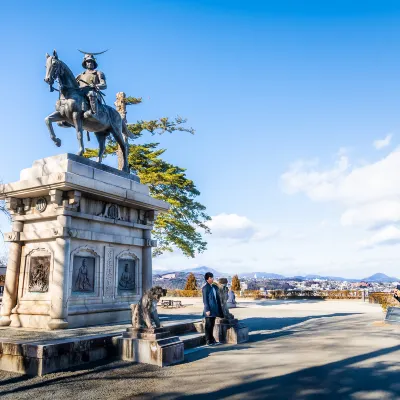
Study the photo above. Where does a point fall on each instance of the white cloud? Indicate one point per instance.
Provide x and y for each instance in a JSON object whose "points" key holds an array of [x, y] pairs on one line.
{"points": [[389, 235], [372, 182], [233, 226], [262, 235], [369, 194], [372, 215], [381, 143], [327, 223], [305, 176]]}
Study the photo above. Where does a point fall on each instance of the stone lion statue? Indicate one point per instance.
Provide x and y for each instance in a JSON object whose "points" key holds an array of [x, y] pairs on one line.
{"points": [[223, 294], [144, 314]]}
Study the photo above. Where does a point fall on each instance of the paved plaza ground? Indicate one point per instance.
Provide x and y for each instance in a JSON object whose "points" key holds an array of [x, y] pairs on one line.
{"points": [[297, 350]]}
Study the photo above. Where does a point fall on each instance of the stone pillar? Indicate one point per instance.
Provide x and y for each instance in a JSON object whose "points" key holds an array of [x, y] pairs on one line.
{"points": [[12, 276], [147, 270], [59, 285]]}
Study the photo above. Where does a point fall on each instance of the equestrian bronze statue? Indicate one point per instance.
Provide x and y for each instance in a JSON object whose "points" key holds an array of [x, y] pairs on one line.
{"points": [[80, 106]]}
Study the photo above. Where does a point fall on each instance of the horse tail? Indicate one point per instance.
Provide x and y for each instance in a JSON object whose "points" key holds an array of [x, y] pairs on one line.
{"points": [[127, 133], [114, 118]]}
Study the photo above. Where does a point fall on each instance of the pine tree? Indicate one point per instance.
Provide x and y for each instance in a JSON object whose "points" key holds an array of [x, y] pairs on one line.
{"points": [[191, 283], [235, 283], [179, 227]]}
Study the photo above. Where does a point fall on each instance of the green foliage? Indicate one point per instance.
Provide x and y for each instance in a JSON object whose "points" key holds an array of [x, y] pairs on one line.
{"points": [[191, 283], [179, 227], [235, 283], [159, 126], [132, 100]]}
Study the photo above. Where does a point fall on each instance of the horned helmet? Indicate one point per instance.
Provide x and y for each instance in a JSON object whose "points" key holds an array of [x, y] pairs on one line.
{"points": [[89, 57]]}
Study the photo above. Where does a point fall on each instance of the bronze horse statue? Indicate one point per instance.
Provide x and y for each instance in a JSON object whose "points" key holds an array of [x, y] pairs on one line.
{"points": [[70, 109]]}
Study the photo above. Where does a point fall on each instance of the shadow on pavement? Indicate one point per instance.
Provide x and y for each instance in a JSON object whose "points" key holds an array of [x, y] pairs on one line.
{"points": [[179, 317], [270, 302], [337, 380], [271, 324]]}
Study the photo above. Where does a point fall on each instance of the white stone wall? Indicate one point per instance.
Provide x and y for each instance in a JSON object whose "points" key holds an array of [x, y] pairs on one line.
{"points": [[78, 221]]}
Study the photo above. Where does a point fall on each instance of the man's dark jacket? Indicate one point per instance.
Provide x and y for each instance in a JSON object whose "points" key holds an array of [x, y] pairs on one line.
{"points": [[211, 303]]}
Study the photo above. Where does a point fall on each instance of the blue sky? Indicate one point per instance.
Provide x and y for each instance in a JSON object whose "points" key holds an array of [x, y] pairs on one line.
{"points": [[287, 99]]}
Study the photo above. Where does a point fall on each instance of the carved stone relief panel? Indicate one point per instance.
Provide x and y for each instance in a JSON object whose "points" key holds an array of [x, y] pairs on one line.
{"points": [[41, 204], [39, 274], [83, 274], [126, 276], [105, 209], [114, 211], [109, 272]]}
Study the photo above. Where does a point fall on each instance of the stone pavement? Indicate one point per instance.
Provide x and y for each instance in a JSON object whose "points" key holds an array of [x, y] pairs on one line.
{"points": [[297, 350]]}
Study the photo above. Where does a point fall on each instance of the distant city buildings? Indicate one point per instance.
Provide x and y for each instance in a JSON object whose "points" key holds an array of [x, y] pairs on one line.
{"points": [[177, 280]]}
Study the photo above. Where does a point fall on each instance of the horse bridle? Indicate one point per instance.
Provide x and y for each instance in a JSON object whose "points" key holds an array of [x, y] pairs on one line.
{"points": [[55, 76]]}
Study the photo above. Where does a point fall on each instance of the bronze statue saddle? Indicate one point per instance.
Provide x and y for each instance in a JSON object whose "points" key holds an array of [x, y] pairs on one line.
{"points": [[100, 117]]}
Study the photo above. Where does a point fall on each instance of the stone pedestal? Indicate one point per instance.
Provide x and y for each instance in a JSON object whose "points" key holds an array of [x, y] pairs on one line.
{"points": [[230, 331], [151, 346], [393, 315], [80, 249]]}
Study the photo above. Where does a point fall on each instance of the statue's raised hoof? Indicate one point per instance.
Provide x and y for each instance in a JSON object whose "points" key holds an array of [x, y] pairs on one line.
{"points": [[58, 142]]}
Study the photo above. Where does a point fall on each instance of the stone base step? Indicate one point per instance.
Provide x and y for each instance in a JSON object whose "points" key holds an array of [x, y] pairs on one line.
{"points": [[40, 357], [177, 328], [44, 357], [192, 340]]}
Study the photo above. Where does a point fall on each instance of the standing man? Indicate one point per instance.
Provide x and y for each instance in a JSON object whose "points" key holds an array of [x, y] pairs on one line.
{"points": [[212, 307]]}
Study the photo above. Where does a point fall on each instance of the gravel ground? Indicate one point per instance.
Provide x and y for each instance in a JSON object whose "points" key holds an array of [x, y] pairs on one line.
{"points": [[297, 350]]}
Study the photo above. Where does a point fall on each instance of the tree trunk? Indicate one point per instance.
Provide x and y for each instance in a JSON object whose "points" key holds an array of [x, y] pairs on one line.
{"points": [[121, 108]]}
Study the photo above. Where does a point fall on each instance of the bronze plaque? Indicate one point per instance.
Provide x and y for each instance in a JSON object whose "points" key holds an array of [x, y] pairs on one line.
{"points": [[39, 274]]}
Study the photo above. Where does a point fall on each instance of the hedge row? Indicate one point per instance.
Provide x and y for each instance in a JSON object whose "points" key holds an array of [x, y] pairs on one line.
{"points": [[384, 299], [279, 294], [312, 294], [184, 293]]}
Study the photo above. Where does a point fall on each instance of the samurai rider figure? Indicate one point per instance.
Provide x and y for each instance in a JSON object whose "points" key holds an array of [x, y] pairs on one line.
{"points": [[91, 81]]}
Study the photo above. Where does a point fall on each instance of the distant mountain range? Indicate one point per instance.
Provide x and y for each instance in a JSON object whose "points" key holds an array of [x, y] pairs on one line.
{"points": [[266, 275], [197, 270], [378, 277], [329, 278]]}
